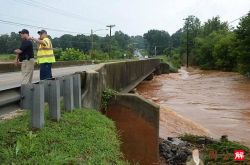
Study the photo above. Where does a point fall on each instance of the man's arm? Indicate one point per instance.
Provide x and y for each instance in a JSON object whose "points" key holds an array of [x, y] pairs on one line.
{"points": [[22, 48], [38, 41]]}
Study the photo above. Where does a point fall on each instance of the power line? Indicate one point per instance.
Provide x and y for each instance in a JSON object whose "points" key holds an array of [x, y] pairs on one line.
{"points": [[38, 27], [55, 10], [237, 19], [11, 17], [15, 17]]}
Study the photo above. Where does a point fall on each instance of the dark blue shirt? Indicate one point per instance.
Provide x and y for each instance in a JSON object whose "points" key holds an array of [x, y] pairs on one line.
{"points": [[27, 50]]}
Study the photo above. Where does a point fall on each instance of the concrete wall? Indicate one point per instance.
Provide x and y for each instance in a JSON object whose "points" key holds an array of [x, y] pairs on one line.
{"points": [[120, 76], [137, 121]]}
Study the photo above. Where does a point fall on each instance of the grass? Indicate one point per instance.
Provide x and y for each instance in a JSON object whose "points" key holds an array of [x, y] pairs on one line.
{"points": [[80, 137], [7, 57], [218, 152]]}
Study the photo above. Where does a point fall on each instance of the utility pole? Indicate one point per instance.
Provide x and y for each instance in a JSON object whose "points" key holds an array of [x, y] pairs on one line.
{"points": [[110, 28], [92, 44], [155, 50], [187, 43], [187, 39]]}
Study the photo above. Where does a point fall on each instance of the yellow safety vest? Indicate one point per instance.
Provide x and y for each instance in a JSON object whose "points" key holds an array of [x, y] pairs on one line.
{"points": [[45, 52]]}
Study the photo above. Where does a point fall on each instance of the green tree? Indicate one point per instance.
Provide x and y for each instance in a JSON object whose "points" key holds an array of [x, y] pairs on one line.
{"points": [[138, 40], [9, 42], [242, 49], [223, 51], [212, 25], [215, 51], [191, 30], [82, 43], [3, 43], [122, 39], [176, 38], [159, 39]]}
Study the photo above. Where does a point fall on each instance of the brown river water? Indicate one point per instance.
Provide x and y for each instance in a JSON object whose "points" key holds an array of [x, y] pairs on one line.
{"points": [[212, 103]]}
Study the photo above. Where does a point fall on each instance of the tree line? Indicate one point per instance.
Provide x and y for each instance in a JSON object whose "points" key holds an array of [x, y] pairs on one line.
{"points": [[95, 46], [212, 45]]}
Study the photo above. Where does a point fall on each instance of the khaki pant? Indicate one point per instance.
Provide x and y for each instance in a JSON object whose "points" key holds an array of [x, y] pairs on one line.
{"points": [[27, 70]]}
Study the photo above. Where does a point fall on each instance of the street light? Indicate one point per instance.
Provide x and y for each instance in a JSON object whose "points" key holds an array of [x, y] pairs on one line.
{"points": [[92, 39]]}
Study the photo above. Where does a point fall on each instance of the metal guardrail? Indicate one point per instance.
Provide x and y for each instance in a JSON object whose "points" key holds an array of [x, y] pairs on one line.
{"points": [[23, 97], [10, 96], [34, 97]]}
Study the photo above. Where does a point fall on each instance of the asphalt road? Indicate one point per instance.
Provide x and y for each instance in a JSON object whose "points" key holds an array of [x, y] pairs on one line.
{"points": [[13, 79]]}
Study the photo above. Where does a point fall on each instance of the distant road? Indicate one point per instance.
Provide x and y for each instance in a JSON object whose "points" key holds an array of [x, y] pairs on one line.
{"points": [[11, 80]]}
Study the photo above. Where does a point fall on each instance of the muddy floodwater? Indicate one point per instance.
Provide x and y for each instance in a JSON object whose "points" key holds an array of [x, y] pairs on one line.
{"points": [[200, 102]]}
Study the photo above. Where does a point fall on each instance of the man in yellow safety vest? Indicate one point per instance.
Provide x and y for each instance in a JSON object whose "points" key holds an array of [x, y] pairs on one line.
{"points": [[45, 55]]}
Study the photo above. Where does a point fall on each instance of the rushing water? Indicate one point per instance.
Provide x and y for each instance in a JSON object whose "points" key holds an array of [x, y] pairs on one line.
{"points": [[202, 102]]}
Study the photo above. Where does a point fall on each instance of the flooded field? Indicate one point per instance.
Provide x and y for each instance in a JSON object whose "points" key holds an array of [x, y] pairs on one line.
{"points": [[200, 102]]}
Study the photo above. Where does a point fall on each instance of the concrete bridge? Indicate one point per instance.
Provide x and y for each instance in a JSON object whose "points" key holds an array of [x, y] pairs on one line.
{"points": [[136, 118]]}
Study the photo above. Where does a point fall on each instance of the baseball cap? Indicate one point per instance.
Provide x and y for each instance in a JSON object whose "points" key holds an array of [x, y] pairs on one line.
{"points": [[41, 32], [24, 31]]}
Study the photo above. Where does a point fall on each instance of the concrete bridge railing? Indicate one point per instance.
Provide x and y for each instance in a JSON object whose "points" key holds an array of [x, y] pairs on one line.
{"points": [[120, 76]]}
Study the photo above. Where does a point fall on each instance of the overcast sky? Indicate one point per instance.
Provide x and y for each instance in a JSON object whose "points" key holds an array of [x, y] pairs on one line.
{"points": [[133, 17]]}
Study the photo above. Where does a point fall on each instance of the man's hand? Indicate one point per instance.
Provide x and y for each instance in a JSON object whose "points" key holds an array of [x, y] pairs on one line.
{"points": [[17, 62], [30, 38], [17, 51], [38, 40]]}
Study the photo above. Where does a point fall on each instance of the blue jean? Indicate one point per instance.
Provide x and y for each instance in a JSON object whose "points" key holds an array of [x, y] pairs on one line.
{"points": [[45, 71]]}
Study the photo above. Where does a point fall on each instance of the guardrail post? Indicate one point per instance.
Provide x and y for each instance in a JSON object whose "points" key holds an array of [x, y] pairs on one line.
{"points": [[77, 91], [37, 111], [68, 93], [61, 80], [32, 96], [54, 99], [26, 96]]}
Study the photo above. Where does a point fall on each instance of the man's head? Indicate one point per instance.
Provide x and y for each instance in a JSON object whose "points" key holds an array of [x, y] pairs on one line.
{"points": [[42, 33], [24, 33]]}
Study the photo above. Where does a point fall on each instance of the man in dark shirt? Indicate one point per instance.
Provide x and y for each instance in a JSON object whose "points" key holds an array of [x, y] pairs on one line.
{"points": [[25, 55]]}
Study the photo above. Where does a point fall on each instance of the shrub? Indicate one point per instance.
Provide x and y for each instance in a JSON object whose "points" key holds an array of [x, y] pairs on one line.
{"points": [[71, 54]]}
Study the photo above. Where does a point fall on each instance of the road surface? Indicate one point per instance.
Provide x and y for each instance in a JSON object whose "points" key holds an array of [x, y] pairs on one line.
{"points": [[11, 80]]}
